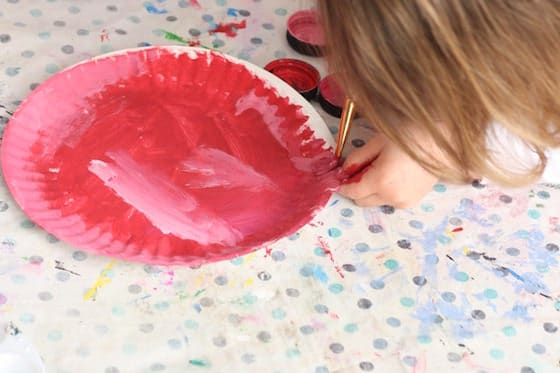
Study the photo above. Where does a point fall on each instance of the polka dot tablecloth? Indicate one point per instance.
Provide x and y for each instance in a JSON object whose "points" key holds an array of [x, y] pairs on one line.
{"points": [[467, 282]]}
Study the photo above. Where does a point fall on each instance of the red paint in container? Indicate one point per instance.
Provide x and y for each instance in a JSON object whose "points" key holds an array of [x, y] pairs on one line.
{"points": [[305, 34], [166, 155], [331, 96], [302, 76]]}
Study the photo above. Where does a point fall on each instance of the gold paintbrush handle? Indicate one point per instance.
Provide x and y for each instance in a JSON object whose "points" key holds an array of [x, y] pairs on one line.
{"points": [[344, 127]]}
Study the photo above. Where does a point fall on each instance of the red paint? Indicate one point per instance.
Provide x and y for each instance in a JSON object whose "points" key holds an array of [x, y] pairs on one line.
{"points": [[268, 251], [302, 76], [304, 26], [329, 254], [165, 115], [230, 28], [195, 4], [355, 172], [104, 35], [331, 91], [194, 43], [459, 229]]}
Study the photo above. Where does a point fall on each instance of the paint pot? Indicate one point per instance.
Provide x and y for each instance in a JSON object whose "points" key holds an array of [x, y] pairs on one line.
{"points": [[331, 96], [302, 76], [305, 34]]}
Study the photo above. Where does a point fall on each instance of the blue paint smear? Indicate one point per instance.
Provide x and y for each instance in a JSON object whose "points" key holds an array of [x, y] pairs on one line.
{"points": [[519, 311], [315, 271], [153, 10], [232, 12]]}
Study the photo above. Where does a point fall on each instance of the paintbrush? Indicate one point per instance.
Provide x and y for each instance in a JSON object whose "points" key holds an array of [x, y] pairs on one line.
{"points": [[344, 127]]}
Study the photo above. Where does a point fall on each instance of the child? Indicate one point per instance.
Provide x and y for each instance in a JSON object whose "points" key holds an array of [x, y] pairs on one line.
{"points": [[456, 90]]}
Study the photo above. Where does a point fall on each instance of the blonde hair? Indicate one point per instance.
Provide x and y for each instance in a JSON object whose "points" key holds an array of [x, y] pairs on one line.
{"points": [[463, 63]]}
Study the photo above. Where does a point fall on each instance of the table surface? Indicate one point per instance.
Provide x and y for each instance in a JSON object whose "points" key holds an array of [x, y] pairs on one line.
{"points": [[468, 281]]}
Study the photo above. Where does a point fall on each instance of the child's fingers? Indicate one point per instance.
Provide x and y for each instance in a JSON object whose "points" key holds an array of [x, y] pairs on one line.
{"points": [[366, 186], [363, 156]]}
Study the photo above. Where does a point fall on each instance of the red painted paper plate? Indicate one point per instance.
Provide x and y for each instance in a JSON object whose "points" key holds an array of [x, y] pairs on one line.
{"points": [[168, 155]]}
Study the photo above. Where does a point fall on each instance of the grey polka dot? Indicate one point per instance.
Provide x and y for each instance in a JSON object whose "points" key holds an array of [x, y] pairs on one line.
{"points": [[386, 209], [32, 86], [157, 367], [51, 238], [375, 228], [45, 296], [380, 343], [478, 315], [207, 18], [454, 357], [358, 143], [206, 302], [218, 43], [68, 49], [3, 206], [505, 198], [362, 247], [264, 276], [101, 329], [455, 221], [112, 370], [278, 256], [79, 256], [194, 32], [244, 13], [171, 18], [306, 329], [183, 4], [321, 308], [36, 259], [404, 244], [550, 327], [72, 312], [221, 280], [411, 361], [393, 321], [111, 8], [527, 370], [219, 341], [513, 251], [73, 9], [13, 1], [27, 224], [120, 31], [268, 26], [336, 348], [437, 319], [256, 41], [151, 269], [366, 366], [248, 358], [4, 38], [62, 276], [134, 289], [346, 212], [349, 267], [291, 292], [478, 184], [416, 224], [448, 296], [538, 349], [552, 247], [419, 280], [474, 255], [364, 303], [377, 284], [59, 23], [264, 336], [143, 44], [235, 319], [174, 343], [146, 328], [134, 19], [12, 71]]}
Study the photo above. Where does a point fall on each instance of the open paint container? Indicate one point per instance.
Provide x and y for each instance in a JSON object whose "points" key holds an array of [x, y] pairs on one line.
{"points": [[302, 76], [305, 34], [331, 96]]}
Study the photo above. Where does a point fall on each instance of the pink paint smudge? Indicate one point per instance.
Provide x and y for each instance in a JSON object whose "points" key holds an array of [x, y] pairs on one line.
{"points": [[104, 35], [195, 4], [323, 244], [230, 28]]}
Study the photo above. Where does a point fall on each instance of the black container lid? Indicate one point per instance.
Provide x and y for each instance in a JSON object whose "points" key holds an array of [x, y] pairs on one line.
{"points": [[305, 34], [302, 76]]}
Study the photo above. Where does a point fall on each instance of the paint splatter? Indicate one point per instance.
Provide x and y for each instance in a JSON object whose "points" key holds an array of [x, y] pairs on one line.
{"points": [[327, 251], [195, 4], [230, 28], [104, 36], [60, 266], [151, 8], [199, 363], [102, 280]]}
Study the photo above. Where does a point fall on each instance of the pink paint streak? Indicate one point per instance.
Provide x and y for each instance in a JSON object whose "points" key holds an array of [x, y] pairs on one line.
{"points": [[165, 158], [104, 35], [323, 244], [230, 28], [195, 4]]}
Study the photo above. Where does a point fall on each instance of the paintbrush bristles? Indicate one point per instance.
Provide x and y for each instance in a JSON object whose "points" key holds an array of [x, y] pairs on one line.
{"points": [[344, 126]]}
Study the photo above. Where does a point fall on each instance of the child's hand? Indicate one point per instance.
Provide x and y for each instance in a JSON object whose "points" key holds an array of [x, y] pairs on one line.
{"points": [[382, 174]]}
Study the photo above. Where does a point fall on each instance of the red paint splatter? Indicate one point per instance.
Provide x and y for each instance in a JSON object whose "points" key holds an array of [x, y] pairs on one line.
{"points": [[458, 229], [194, 43], [104, 35], [268, 251], [323, 245], [334, 316], [355, 172], [195, 4], [230, 28]]}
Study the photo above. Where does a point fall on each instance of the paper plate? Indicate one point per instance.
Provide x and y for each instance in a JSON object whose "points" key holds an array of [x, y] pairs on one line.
{"points": [[168, 155]]}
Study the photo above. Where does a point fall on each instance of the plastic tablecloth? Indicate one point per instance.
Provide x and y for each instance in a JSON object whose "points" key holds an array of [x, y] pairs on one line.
{"points": [[468, 281]]}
